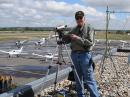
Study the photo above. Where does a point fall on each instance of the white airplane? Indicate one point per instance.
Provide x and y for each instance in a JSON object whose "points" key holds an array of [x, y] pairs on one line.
{"points": [[53, 36], [14, 52], [40, 42], [49, 37], [109, 41], [97, 40], [20, 43], [123, 43], [47, 57]]}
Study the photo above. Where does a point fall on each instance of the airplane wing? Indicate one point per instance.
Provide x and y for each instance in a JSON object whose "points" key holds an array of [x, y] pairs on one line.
{"points": [[63, 57], [4, 51], [23, 41], [24, 53], [123, 41], [37, 55]]}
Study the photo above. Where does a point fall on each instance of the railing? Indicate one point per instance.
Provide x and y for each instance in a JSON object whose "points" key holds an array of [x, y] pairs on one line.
{"points": [[32, 88]]}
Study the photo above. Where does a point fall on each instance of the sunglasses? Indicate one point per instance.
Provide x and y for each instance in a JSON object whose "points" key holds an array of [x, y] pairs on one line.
{"points": [[79, 18]]}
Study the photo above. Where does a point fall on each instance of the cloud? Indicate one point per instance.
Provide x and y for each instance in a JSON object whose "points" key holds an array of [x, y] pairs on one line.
{"points": [[115, 4], [52, 12], [6, 1], [6, 5], [117, 20], [42, 12], [65, 9], [26, 11]]}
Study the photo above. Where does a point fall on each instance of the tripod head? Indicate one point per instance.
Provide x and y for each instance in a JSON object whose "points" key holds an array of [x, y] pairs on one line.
{"points": [[60, 31]]}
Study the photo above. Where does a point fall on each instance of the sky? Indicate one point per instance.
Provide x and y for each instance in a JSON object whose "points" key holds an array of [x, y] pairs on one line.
{"points": [[44, 13]]}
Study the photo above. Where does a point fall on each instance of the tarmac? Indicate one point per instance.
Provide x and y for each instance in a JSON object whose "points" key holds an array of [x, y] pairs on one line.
{"points": [[27, 68]]}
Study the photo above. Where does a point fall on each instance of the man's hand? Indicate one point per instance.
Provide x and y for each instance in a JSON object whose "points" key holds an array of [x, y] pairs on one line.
{"points": [[74, 37]]}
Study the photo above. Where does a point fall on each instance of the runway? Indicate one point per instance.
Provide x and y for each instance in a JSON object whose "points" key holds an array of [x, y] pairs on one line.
{"points": [[26, 68]]}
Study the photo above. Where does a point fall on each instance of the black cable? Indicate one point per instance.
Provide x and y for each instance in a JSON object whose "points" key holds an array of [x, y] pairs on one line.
{"points": [[47, 73], [63, 59]]}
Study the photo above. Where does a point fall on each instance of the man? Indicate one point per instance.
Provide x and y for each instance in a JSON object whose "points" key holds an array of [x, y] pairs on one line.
{"points": [[81, 39]]}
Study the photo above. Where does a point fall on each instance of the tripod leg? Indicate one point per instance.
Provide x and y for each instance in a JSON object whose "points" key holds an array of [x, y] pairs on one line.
{"points": [[48, 71], [55, 83], [53, 55], [59, 47], [74, 70], [101, 67], [49, 67], [110, 56]]}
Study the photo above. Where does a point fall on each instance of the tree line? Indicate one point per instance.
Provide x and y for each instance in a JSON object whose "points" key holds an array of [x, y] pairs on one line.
{"points": [[29, 29]]}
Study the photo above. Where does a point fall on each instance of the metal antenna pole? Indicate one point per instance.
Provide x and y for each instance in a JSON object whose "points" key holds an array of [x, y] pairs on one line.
{"points": [[107, 52], [107, 24]]}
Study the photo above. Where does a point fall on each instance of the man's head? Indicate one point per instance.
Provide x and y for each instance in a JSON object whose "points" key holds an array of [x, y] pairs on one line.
{"points": [[79, 17]]}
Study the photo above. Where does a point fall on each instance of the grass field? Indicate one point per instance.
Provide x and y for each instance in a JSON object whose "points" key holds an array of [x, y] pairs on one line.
{"points": [[17, 35], [113, 36], [21, 36]]}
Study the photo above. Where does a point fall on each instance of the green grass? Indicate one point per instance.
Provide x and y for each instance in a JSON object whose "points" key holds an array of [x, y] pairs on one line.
{"points": [[113, 36], [21, 36], [18, 35]]}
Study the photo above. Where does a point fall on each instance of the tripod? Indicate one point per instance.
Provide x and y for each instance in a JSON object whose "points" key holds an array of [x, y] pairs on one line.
{"points": [[59, 49], [107, 53]]}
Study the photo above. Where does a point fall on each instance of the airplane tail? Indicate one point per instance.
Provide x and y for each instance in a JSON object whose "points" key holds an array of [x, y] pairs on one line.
{"points": [[21, 49], [49, 36]]}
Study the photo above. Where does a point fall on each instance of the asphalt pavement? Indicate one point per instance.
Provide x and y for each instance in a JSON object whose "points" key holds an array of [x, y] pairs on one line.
{"points": [[26, 68]]}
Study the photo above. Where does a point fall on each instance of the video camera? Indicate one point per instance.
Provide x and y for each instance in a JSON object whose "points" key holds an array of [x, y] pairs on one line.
{"points": [[60, 30]]}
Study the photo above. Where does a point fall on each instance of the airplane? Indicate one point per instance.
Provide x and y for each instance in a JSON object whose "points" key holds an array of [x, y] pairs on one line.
{"points": [[47, 57], [123, 43], [49, 37], [43, 41], [97, 40], [14, 52], [53, 36], [20, 43], [40, 42]]}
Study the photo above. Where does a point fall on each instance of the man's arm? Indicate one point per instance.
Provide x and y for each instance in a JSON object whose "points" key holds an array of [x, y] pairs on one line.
{"points": [[86, 40], [67, 36]]}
